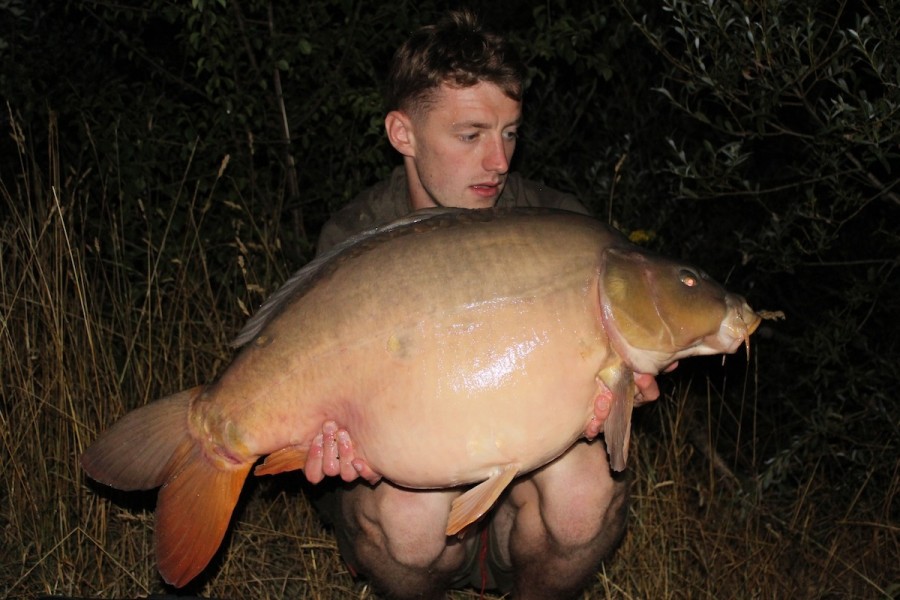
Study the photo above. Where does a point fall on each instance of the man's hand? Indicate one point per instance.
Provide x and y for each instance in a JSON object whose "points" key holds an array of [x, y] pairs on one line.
{"points": [[331, 454], [646, 390]]}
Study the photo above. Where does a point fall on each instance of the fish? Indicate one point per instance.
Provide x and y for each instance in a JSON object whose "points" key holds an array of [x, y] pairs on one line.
{"points": [[459, 347]]}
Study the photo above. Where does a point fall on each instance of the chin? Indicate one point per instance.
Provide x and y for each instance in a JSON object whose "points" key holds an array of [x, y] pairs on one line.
{"points": [[478, 202], [467, 201]]}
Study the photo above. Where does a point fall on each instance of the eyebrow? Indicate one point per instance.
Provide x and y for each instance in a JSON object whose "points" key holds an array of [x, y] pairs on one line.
{"points": [[480, 125]]}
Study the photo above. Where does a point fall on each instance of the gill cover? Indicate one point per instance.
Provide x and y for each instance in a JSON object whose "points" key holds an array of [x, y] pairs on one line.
{"points": [[657, 310]]}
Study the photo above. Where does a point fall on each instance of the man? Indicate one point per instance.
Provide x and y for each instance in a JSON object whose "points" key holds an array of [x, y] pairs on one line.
{"points": [[454, 105]]}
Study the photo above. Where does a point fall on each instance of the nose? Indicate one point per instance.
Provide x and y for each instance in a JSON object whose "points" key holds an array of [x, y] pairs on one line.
{"points": [[497, 155]]}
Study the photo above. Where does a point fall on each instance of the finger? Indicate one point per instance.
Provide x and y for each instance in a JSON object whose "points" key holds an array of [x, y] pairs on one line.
{"points": [[647, 389], [313, 467], [362, 467], [345, 448], [331, 462], [602, 405]]}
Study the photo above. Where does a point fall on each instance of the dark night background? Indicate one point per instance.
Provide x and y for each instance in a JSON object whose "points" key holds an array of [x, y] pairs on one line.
{"points": [[760, 140]]}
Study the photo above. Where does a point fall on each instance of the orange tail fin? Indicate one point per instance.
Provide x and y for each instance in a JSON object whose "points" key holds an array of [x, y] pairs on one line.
{"points": [[192, 515], [137, 452], [152, 446]]}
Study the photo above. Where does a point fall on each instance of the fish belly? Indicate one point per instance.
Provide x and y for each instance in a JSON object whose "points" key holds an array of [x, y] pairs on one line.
{"points": [[442, 365], [452, 400]]}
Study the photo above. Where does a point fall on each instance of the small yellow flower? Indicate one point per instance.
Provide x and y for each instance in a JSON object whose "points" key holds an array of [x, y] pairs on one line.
{"points": [[641, 236]]}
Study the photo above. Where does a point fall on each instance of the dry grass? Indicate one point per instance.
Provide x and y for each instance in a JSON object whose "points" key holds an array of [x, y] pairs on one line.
{"points": [[86, 334]]}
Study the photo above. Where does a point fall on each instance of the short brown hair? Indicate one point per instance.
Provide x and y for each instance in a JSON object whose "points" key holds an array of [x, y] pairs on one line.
{"points": [[458, 50]]}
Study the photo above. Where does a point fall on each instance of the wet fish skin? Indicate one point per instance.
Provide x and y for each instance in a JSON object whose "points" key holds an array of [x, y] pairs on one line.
{"points": [[457, 346]]}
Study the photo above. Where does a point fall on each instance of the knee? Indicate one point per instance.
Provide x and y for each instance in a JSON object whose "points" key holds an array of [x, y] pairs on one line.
{"points": [[406, 528], [585, 504], [594, 514]]}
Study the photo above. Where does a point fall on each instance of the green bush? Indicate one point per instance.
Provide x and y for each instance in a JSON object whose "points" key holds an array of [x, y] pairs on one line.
{"points": [[777, 134]]}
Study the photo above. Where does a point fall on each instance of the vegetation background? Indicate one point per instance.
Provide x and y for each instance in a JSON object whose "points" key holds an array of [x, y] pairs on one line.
{"points": [[166, 165]]}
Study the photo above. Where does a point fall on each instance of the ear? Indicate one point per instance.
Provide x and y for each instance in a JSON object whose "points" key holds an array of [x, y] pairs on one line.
{"points": [[399, 128]]}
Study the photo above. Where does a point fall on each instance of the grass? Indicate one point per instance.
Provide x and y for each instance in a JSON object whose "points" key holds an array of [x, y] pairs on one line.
{"points": [[96, 319]]}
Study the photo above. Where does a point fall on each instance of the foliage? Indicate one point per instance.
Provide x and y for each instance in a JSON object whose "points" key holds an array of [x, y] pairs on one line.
{"points": [[83, 340], [290, 95], [781, 121], [199, 146]]}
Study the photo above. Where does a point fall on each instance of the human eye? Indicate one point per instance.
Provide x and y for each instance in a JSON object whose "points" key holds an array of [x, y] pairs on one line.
{"points": [[468, 137], [511, 135]]}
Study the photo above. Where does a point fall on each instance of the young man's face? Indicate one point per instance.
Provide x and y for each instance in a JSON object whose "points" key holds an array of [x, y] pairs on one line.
{"points": [[457, 150]]}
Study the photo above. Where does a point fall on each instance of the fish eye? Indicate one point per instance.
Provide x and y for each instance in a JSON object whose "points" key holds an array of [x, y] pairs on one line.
{"points": [[689, 277]]}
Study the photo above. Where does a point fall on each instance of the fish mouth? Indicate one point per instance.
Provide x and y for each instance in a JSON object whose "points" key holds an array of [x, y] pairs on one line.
{"points": [[739, 325]]}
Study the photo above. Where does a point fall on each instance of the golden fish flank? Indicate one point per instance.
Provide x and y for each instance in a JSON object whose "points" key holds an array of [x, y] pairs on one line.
{"points": [[493, 370], [486, 368]]}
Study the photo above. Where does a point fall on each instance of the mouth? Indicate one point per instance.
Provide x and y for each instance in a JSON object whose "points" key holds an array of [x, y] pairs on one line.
{"points": [[743, 323], [487, 189]]}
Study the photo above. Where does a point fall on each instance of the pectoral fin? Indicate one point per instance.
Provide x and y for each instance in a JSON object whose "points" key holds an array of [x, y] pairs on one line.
{"points": [[469, 507], [617, 429], [290, 458]]}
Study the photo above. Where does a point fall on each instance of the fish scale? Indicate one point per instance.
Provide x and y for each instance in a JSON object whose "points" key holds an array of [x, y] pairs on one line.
{"points": [[459, 348]]}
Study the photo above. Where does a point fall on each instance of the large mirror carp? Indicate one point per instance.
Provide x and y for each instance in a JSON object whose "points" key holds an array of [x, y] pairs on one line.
{"points": [[459, 348]]}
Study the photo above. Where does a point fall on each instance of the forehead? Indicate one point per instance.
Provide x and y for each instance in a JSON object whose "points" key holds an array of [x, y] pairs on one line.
{"points": [[483, 103]]}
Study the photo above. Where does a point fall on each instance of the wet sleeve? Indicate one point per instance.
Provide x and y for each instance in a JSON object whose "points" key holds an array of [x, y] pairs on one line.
{"points": [[571, 203], [374, 206], [551, 198], [333, 233]]}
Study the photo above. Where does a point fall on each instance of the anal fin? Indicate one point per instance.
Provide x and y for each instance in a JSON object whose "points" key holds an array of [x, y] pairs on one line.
{"points": [[469, 507], [289, 458]]}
